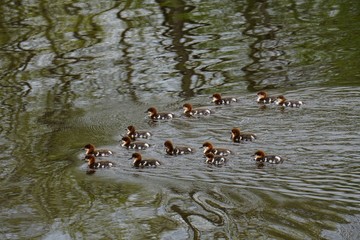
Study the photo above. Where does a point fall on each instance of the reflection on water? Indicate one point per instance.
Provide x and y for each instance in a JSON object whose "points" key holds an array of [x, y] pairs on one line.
{"points": [[74, 73]]}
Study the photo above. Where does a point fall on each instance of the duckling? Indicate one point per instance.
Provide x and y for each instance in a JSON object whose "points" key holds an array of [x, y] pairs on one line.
{"points": [[90, 150], [215, 159], [189, 111], [261, 157], [236, 136], [264, 98], [170, 149], [218, 100], [154, 115], [281, 101], [92, 164], [139, 162], [209, 148], [126, 142]]}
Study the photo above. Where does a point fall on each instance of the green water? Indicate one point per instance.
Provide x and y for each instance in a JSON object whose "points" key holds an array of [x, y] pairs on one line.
{"points": [[79, 72]]}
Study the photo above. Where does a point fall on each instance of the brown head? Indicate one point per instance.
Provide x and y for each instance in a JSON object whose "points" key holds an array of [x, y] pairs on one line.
{"points": [[130, 129], [126, 141], [168, 144], [151, 111], [259, 154], [262, 94], [207, 147], [89, 148], [136, 157], [90, 159], [187, 107], [216, 97], [280, 99], [209, 155], [235, 132]]}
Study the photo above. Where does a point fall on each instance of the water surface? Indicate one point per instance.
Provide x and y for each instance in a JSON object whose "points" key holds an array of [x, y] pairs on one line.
{"points": [[75, 72]]}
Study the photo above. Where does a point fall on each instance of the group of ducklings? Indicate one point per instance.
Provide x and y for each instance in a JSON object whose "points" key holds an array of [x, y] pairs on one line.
{"points": [[214, 156]]}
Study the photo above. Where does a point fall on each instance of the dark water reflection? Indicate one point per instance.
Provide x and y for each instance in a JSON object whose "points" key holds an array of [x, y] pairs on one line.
{"points": [[79, 72]]}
